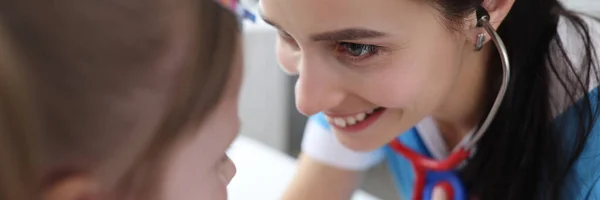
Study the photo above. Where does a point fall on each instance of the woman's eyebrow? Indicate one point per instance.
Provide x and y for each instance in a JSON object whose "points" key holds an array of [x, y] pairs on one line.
{"points": [[268, 21], [347, 34]]}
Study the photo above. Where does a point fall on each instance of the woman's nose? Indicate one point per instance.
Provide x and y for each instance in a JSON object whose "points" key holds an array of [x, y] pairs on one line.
{"points": [[318, 88]]}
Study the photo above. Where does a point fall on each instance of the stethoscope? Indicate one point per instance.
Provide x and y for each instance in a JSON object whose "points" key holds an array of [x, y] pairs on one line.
{"points": [[430, 173]]}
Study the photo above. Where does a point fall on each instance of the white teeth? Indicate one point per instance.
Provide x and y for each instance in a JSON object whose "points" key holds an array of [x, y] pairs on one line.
{"points": [[360, 116], [340, 122], [350, 120]]}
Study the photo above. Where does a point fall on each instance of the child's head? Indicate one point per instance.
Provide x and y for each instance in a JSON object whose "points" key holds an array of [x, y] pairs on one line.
{"points": [[117, 99]]}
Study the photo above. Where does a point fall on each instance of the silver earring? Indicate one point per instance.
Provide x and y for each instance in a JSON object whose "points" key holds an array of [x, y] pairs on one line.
{"points": [[480, 40]]}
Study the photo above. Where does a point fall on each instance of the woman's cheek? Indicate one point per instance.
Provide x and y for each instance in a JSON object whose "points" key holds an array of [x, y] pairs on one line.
{"points": [[398, 97], [395, 91], [286, 57]]}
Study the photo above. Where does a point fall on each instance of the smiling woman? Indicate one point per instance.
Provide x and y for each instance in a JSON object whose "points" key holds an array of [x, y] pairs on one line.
{"points": [[426, 73]]}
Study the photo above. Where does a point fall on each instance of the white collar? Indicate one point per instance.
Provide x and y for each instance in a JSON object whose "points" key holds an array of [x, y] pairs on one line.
{"points": [[431, 136]]}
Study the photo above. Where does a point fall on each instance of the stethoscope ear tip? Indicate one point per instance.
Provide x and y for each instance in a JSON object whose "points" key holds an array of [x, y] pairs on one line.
{"points": [[482, 14]]}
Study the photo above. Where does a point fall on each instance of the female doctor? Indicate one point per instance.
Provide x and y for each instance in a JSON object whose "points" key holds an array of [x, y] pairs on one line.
{"points": [[488, 99]]}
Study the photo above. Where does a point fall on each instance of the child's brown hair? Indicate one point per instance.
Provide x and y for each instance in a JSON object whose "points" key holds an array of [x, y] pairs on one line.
{"points": [[105, 88]]}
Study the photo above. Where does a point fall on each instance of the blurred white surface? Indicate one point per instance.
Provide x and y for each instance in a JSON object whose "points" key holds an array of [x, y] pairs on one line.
{"points": [[263, 173], [265, 95], [587, 6]]}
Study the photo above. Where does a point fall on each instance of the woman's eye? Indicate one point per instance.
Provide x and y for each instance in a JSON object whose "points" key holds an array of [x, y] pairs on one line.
{"points": [[356, 51]]}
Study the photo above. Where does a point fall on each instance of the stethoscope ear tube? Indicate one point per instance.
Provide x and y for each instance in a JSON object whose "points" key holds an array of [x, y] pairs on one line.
{"points": [[429, 173], [483, 20]]}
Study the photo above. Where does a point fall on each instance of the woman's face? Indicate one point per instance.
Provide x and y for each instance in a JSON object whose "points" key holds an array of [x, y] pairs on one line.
{"points": [[375, 68], [199, 169]]}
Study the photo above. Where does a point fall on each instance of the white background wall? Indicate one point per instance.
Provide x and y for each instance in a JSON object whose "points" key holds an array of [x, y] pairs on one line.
{"points": [[588, 6], [265, 98]]}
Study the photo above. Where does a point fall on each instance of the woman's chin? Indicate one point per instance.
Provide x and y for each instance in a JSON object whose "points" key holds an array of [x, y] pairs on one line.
{"points": [[361, 144]]}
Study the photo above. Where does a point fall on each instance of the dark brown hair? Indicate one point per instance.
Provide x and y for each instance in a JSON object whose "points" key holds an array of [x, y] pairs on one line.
{"points": [[106, 87], [525, 154]]}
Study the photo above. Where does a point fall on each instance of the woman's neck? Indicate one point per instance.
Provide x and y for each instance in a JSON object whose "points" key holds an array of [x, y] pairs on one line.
{"points": [[466, 104]]}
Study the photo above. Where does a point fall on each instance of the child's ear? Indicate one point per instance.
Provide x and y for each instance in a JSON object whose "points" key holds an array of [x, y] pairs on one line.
{"points": [[73, 187]]}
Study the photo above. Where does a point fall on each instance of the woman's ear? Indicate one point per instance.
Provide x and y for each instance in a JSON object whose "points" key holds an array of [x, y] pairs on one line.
{"points": [[497, 10], [73, 187]]}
